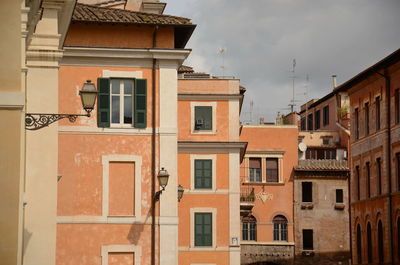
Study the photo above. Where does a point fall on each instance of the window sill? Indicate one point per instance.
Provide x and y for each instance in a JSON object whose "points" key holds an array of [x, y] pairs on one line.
{"points": [[204, 132], [264, 183], [307, 205], [340, 206], [308, 253]]}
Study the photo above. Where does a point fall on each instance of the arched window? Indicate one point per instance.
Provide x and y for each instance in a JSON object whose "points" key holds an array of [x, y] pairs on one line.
{"points": [[359, 258], [369, 243], [249, 228], [398, 238], [280, 228], [380, 242]]}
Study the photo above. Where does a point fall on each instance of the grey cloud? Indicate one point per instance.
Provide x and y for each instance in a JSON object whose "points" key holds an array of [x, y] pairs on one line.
{"points": [[262, 37]]}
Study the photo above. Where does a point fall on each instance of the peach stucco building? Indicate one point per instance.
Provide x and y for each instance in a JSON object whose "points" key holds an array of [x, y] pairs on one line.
{"points": [[267, 194], [146, 119]]}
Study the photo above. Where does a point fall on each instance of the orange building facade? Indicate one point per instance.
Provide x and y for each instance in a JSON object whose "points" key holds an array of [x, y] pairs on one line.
{"points": [[267, 194], [375, 162], [147, 119]]}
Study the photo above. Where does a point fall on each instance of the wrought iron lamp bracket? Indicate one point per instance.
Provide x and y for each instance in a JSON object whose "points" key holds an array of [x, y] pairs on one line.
{"points": [[36, 121]]}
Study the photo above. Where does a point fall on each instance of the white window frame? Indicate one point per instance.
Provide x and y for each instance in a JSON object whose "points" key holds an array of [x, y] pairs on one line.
{"points": [[213, 212], [137, 160], [213, 105], [136, 250], [213, 158], [121, 95], [278, 155]]}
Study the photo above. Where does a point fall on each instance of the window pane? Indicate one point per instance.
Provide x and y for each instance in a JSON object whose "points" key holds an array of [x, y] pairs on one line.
{"points": [[339, 196], [128, 85], [203, 117], [272, 170], [203, 173], [115, 86], [128, 109], [115, 109]]}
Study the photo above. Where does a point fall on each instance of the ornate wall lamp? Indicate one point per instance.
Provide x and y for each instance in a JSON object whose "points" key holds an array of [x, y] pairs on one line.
{"points": [[163, 181], [180, 192], [36, 121]]}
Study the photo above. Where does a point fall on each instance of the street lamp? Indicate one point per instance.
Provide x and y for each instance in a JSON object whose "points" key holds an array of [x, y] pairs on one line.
{"points": [[163, 181], [180, 192], [36, 121]]}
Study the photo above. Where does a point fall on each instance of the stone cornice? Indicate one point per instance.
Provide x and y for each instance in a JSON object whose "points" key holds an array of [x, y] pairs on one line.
{"points": [[184, 96], [123, 57]]}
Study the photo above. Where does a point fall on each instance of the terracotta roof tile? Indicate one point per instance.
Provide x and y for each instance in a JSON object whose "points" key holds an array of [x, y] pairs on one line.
{"points": [[95, 14], [322, 165], [185, 69]]}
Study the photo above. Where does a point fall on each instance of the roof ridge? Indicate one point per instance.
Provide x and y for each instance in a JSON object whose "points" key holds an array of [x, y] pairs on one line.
{"points": [[132, 12]]}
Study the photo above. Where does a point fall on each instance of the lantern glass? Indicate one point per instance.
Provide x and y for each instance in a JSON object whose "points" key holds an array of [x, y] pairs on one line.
{"points": [[180, 192], [88, 95], [163, 178]]}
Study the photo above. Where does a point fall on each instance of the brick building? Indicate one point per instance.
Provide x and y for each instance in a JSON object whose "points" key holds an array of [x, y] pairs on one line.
{"points": [[375, 162], [321, 206]]}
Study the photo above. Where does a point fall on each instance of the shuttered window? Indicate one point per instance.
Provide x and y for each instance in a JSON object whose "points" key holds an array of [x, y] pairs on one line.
{"points": [[272, 170], [255, 169], [203, 173], [203, 118], [122, 102], [203, 229]]}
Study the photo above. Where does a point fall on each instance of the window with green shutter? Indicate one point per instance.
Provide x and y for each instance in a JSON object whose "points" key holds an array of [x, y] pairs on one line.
{"points": [[203, 118], [203, 229], [122, 102], [203, 174]]}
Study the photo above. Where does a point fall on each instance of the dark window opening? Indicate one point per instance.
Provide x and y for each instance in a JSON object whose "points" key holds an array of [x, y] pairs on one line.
{"points": [[380, 242], [357, 180], [398, 170], [306, 192], [280, 228], [368, 179], [308, 243], [397, 105], [310, 122], [378, 113], [366, 118], [303, 124], [339, 196], [326, 115], [369, 243], [359, 251], [317, 120], [321, 153], [255, 169], [272, 170], [379, 175], [357, 123], [203, 118]]}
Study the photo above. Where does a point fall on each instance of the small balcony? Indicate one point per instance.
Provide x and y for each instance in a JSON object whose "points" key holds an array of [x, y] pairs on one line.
{"points": [[247, 198]]}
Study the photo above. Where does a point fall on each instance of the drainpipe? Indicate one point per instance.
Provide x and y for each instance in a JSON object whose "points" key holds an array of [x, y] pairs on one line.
{"points": [[153, 154], [386, 76]]}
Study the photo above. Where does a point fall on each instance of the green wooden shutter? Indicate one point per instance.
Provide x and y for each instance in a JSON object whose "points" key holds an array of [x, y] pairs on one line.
{"points": [[140, 103], [103, 102], [203, 174], [203, 229]]}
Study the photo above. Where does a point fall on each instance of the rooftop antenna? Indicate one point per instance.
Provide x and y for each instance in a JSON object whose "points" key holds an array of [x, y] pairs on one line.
{"points": [[222, 52], [251, 111], [292, 104]]}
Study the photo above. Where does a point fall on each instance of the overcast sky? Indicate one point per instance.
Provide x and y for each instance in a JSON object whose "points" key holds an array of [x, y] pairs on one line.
{"points": [[262, 37]]}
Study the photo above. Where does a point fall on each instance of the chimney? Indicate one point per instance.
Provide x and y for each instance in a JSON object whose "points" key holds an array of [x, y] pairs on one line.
{"points": [[334, 81]]}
